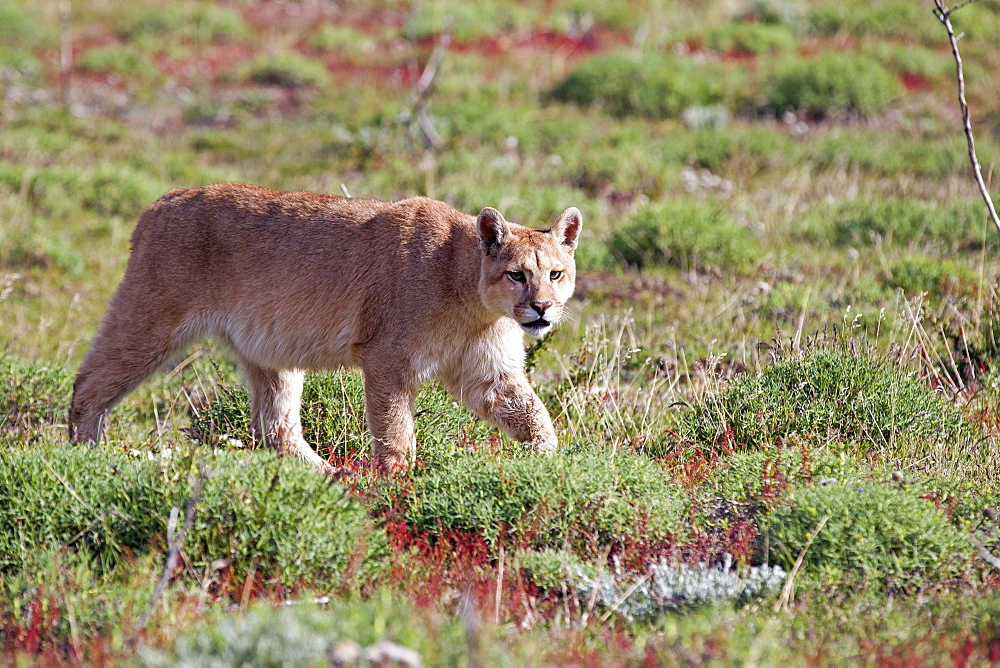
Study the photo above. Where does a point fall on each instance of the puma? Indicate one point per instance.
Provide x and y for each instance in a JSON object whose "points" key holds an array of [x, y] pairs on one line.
{"points": [[292, 281]]}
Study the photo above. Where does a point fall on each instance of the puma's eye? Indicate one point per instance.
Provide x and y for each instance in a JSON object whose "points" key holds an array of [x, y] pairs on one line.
{"points": [[516, 276], [555, 275]]}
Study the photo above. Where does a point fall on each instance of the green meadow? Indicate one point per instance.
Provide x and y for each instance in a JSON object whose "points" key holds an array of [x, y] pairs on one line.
{"points": [[778, 395]]}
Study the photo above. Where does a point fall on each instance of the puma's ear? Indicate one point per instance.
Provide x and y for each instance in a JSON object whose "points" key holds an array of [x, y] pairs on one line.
{"points": [[492, 230], [567, 228]]}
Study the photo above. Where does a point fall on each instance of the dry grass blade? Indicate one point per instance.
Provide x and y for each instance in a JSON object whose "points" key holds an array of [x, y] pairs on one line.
{"points": [[786, 591], [173, 553]]}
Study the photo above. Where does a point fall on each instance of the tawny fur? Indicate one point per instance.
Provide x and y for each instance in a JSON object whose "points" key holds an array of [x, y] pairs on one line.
{"points": [[408, 291]]}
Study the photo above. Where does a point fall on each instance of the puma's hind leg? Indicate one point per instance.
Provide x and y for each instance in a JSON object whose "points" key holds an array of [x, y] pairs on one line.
{"points": [[275, 400], [131, 345]]}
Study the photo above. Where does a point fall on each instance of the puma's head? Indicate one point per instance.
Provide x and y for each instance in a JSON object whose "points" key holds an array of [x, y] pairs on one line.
{"points": [[528, 274]]}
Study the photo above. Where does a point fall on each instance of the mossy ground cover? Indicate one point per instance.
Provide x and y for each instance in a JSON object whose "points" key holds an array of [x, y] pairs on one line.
{"points": [[784, 342]]}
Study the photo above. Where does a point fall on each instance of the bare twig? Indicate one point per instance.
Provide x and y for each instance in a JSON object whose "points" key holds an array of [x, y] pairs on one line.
{"points": [[65, 52], [786, 591], [943, 15], [416, 117], [426, 81], [175, 542], [347, 193], [417, 111], [631, 590], [248, 585], [985, 554], [601, 564]]}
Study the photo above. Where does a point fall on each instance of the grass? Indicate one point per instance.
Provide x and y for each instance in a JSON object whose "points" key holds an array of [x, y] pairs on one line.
{"points": [[905, 222], [830, 395], [779, 318], [688, 235]]}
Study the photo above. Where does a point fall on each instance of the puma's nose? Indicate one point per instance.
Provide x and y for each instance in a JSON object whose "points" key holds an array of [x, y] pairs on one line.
{"points": [[541, 307]]}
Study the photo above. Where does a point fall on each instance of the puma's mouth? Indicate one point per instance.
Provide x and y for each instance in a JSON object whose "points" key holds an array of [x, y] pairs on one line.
{"points": [[537, 327]]}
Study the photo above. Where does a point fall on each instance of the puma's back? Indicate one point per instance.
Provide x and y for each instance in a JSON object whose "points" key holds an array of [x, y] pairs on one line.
{"points": [[294, 281]]}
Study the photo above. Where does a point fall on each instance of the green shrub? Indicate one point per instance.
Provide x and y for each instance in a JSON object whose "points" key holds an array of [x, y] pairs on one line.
{"points": [[751, 37], [122, 61], [466, 21], [655, 86], [686, 234], [828, 396], [832, 83], [575, 496], [104, 505], [551, 568], [32, 393], [202, 23], [620, 165], [877, 536], [939, 278], [885, 153], [900, 222], [914, 60], [569, 15], [107, 188], [753, 475], [780, 12], [289, 69], [742, 148], [141, 21], [38, 247], [23, 30], [256, 510], [19, 65], [209, 23], [342, 40], [117, 189], [592, 255], [53, 580]]}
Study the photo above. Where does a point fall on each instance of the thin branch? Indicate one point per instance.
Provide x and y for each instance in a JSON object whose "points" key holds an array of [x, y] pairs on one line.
{"points": [[631, 590], [960, 5], [943, 15], [65, 53], [174, 552], [426, 81], [422, 91], [985, 554]]}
